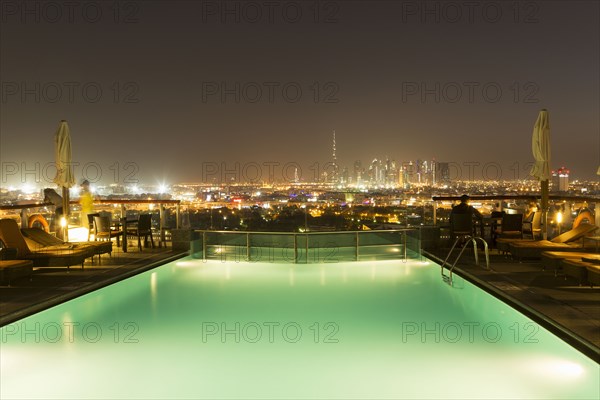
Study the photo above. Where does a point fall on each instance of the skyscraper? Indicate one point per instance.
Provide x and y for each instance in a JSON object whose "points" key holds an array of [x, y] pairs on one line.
{"points": [[560, 180], [335, 170]]}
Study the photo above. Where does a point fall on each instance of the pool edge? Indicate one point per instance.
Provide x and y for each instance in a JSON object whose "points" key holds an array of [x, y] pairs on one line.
{"points": [[562, 332], [92, 287]]}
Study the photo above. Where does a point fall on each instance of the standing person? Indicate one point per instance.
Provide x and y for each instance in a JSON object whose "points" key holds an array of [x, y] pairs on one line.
{"points": [[465, 208], [531, 209], [87, 203]]}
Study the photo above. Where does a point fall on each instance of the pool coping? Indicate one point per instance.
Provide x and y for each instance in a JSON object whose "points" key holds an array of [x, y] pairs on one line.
{"points": [[83, 290], [562, 332]]}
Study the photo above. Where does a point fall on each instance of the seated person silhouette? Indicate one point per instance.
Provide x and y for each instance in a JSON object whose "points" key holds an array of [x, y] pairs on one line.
{"points": [[50, 196], [464, 208]]}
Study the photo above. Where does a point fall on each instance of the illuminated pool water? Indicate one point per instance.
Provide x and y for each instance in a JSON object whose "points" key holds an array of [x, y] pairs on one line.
{"points": [[384, 329]]}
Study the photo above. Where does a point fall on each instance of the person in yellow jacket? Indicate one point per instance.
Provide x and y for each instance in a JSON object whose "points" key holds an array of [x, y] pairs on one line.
{"points": [[86, 201]]}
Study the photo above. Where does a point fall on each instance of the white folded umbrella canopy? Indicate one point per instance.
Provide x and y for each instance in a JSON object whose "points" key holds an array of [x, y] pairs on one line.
{"points": [[64, 168], [540, 146]]}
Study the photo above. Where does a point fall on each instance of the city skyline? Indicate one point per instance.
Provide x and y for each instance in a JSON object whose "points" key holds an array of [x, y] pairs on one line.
{"points": [[159, 90]]}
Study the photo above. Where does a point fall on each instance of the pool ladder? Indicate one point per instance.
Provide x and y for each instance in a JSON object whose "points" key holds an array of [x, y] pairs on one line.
{"points": [[468, 239]]}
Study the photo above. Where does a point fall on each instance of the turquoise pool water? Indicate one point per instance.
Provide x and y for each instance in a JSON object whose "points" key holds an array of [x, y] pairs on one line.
{"points": [[382, 329]]}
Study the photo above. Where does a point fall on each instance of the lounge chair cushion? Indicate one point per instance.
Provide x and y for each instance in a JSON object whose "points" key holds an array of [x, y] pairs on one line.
{"points": [[39, 239], [591, 258], [575, 233], [593, 272], [583, 271], [503, 244], [553, 259], [35, 246], [535, 249], [12, 237]]}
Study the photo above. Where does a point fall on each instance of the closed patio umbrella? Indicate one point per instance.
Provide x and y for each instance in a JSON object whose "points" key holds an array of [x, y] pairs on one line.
{"points": [[540, 146], [64, 169]]}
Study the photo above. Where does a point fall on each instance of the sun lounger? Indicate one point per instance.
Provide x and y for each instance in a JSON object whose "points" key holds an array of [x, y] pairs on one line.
{"points": [[503, 244], [552, 259], [593, 270], [11, 269], [39, 239], [52, 256], [583, 271], [565, 242]]}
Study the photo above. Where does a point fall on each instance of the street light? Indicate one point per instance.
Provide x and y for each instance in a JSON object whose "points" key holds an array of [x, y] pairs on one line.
{"points": [[63, 225], [559, 218]]}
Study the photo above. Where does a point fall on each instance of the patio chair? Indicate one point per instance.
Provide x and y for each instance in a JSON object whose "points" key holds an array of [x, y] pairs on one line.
{"points": [[496, 218], [39, 239], [50, 256], [104, 231], [142, 230], [91, 226], [532, 225], [512, 226], [565, 242]]}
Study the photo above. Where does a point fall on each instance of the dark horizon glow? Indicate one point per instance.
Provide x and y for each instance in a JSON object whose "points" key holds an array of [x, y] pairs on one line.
{"points": [[170, 87]]}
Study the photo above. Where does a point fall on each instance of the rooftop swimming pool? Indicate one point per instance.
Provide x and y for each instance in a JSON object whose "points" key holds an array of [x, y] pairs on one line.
{"points": [[366, 329]]}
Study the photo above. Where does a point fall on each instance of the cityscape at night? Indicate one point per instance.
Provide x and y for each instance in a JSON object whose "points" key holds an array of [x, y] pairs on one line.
{"points": [[320, 199]]}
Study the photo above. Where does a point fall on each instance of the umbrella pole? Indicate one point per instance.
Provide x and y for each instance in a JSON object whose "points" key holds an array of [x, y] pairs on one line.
{"points": [[65, 196], [544, 190]]}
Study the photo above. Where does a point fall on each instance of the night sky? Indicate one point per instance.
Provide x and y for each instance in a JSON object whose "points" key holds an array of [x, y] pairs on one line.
{"points": [[186, 83]]}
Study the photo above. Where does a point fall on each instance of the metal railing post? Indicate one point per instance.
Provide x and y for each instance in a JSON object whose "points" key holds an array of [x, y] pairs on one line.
{"points": [[203, 245], [124, 227], [356, 250], [24, 218], [247, 246], [178, 216], [405, 245], [307, 248], [161, 221], [295, 249]]}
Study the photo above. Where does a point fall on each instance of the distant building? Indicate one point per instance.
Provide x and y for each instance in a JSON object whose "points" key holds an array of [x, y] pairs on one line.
{"points": [[442, 172], [560, 180], [358, 172]]}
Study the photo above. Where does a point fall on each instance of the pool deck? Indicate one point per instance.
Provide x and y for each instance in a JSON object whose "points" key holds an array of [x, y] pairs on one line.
{"points": [[573, 310]]}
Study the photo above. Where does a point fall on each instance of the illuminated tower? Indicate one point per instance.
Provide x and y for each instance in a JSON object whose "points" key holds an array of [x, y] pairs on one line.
{"points": [[560, 180], [334, 158]]}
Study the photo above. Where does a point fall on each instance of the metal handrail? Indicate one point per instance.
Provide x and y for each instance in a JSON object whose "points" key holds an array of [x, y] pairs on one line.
{"points": [[519, 197], [161, 202], [311, 233], [467, 238]]}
